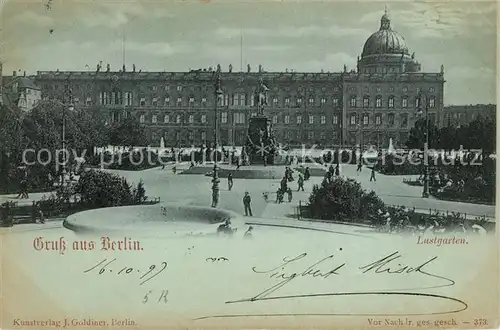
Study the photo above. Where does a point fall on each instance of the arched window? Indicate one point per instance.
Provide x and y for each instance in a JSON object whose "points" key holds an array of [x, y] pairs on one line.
{"points": [[391, 102], [352, 119], [390, 119], [366, 119], [378, 101], [366, 101], [353, 101], [432, 102], [404, 102]]}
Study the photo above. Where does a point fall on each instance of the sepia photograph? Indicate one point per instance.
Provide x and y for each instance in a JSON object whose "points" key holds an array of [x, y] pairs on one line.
{"points": [[270, 164]]}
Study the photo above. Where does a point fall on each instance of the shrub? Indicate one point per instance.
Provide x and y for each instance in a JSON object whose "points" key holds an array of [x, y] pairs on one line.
{"points": [[139, 193], [343, 200], [101, 189]]}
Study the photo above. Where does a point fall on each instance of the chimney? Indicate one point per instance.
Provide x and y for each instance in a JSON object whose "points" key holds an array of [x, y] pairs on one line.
{"points": [[24, 73]]}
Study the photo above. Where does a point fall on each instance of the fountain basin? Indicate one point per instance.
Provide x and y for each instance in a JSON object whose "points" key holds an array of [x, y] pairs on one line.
{"points": [[162, 219]]}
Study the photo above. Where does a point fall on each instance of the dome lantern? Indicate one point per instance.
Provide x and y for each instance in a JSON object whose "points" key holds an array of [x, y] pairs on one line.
{"points": [[385, 22]]}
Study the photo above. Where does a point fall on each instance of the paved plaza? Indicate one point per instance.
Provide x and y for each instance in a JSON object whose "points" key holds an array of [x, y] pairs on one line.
{"points": [[196, 190]]}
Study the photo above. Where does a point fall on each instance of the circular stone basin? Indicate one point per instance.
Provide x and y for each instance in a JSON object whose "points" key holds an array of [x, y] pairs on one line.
{"points": [[159, 220]]}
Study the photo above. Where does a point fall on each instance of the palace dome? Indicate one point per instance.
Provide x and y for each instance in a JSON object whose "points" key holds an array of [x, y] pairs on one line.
{"points": [[385, 40]]}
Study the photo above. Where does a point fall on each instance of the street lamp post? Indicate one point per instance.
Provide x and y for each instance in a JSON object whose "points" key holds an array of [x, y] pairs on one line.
{"points": [[425, 192], [70, 107], [215, 178]]}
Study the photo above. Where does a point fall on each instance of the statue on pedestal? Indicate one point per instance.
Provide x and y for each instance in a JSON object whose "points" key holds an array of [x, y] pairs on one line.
{"points": [[261, 145]]}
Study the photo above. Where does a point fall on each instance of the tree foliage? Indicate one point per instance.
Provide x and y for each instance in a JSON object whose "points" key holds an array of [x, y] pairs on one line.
{"points": [[478, 134], [41, 129], [128, 133]]}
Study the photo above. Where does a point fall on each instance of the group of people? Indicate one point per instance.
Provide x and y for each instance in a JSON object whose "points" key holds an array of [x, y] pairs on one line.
{"points": [[360, 167], [227, 228], [331, 172]]}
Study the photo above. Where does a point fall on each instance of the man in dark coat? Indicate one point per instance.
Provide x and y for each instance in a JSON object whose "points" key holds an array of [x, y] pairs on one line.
{"points": [[247, 200], [301, 183], [372, 176], [307, 174]]}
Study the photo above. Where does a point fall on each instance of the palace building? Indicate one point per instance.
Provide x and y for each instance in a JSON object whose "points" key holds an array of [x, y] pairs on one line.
{"points": [[368, 106]]}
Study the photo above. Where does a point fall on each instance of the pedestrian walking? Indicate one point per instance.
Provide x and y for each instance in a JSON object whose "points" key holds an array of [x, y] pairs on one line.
{"points": [[331, 170], [230, 181], [337, 170], [307, 174], [289, 191], [247, 200], [300, 183], [174, 169], [372, 176], [284, 184], [279, 196], [42, 217], [24, 189], [328, 177], [360, 165]]}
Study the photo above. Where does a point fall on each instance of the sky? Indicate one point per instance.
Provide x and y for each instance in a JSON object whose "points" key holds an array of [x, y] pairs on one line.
{"points": [[306, 36]]}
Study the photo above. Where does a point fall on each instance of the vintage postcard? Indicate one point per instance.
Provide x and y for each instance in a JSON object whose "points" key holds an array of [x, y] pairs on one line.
{"points": [[213, 164]]}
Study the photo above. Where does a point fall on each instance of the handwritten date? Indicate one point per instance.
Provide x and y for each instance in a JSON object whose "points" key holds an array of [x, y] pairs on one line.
{"points": [[146, 276]]}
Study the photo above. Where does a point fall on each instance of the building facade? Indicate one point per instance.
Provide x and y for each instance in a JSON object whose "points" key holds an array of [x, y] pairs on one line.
{"points": [[367, 106], [459, 115], [20, 91]]}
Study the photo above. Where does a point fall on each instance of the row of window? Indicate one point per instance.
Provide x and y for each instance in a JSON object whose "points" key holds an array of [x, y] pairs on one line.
{"points": [[237, 99], [390, 102], [240, 118], [366, 89], [354, 119], [206, 88], [118, 98], [180, 88], [167, 119]]}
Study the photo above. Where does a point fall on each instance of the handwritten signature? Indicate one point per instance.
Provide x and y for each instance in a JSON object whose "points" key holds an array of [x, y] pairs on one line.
{"points": [[150, 274], [320, 270]]}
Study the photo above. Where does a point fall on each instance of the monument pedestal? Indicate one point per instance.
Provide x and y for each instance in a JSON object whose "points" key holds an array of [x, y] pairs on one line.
{"points": [[260, 145]]}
